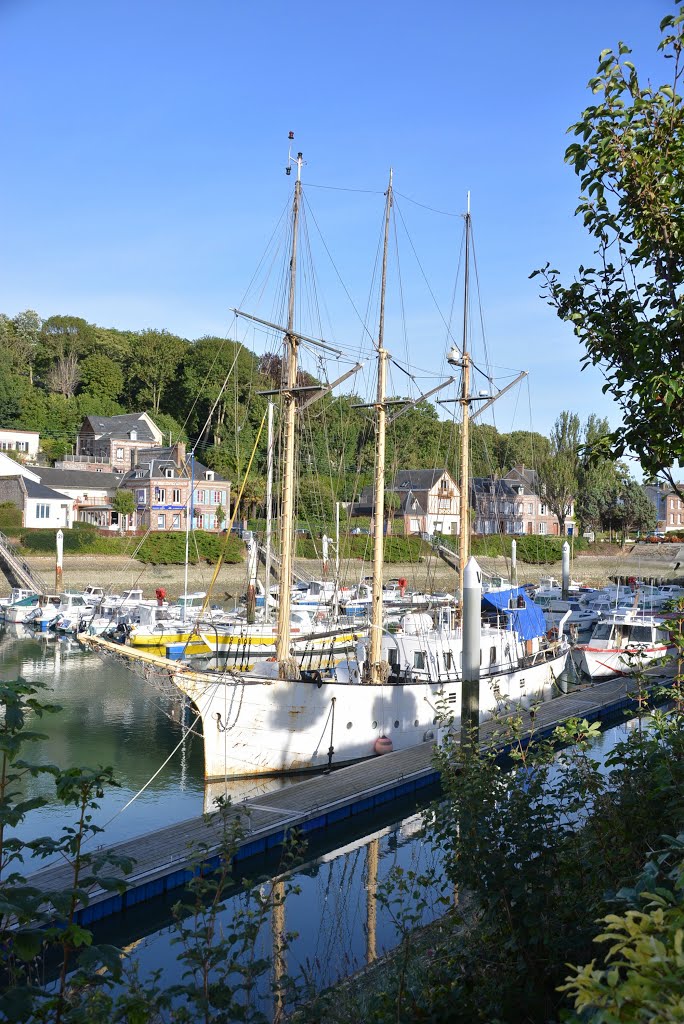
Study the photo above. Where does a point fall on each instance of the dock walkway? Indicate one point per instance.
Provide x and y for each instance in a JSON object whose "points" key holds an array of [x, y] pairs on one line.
{"points": [[163, 857]]}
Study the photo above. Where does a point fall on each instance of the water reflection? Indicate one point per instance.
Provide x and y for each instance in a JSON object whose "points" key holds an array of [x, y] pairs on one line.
{"points": [[112, 717]]}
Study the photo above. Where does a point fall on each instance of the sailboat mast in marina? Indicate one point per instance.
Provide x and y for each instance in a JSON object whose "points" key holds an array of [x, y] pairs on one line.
{"points": [[464, 506], [375, 651], [286, 666]]}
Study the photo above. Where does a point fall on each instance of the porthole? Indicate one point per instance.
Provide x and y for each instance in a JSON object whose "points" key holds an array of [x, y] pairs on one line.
{"points": [[396, 725], [349, 725], [374, 725]]}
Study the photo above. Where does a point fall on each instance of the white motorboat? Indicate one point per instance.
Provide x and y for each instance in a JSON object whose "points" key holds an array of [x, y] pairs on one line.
{"points": [[17, 595], [622, 643], [52, 607], [21, 610]]}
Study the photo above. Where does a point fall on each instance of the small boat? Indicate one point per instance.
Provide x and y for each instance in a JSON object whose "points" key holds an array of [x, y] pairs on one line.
{"points": [[17, 594], [51, 607], [622, 643]]}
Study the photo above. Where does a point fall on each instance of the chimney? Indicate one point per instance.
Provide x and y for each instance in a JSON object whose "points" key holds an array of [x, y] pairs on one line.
{"points": [[178, 453]]}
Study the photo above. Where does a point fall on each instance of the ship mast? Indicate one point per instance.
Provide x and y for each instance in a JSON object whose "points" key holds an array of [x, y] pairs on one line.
{"points": [[464, 401], [375, 653], [285, 669]]}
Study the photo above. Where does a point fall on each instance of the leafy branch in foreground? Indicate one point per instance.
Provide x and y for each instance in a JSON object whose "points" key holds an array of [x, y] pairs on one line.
{"points": [[628, 309]]}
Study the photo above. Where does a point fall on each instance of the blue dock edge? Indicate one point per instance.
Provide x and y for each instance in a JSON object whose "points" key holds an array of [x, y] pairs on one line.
{"points": [[180, 876]]}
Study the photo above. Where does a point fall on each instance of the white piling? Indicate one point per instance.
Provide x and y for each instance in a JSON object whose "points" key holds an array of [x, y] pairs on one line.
{"points": [[565, 577], [59, 537], [472, 628]]}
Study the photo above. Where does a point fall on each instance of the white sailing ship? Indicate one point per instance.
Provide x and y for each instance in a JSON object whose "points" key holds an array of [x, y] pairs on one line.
{"points": [[400, 688]]}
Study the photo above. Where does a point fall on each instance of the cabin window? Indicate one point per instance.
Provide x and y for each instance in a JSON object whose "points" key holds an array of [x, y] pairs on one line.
{"points": [[419, 659], [448, 660], [492, 655], [602, 631], [640, 635], [393, 657]]}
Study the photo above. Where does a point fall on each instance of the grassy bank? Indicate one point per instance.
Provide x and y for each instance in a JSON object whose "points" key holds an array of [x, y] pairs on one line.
{"points": [[156, 549]]}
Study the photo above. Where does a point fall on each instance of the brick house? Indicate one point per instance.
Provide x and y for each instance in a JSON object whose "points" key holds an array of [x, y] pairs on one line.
{"points": [[111, 444], [673, 512], [165, 484], [530, 509]]}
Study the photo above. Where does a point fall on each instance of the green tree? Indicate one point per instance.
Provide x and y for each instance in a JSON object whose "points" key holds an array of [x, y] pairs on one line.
{"points": [[123, 502], [627, 309], [101, 377], [558, 473], [24, 342], [155, 359]]}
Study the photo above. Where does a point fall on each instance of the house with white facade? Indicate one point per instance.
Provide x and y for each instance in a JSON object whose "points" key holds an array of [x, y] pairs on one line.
{"points": [[41, 505], [25, 442]]}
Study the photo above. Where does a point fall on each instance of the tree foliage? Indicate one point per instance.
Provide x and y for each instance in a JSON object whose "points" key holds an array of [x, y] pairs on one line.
{"points": [[628, 308]]}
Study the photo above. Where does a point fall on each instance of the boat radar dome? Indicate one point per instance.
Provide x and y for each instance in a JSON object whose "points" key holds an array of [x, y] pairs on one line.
{"points": [[454, 356]]}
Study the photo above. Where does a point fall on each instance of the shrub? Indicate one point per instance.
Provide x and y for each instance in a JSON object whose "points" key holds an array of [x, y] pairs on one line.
{"points": [[10, 517]]}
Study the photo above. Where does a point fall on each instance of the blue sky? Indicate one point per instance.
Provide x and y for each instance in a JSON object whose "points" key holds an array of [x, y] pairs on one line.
{"points": [[144, 143]]}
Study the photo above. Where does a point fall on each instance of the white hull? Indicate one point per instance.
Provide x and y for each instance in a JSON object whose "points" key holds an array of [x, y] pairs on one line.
{"points": [[601, 663], [258, 726]]}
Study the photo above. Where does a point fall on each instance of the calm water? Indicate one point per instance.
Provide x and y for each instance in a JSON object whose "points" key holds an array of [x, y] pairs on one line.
{"points": [[112, 717]]}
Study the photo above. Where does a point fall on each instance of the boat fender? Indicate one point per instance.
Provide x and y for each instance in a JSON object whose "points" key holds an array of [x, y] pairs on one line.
{"points": [[383, 745]]}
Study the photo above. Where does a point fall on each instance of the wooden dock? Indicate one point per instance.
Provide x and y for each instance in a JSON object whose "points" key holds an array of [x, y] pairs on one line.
{"points": [[163, 858]]}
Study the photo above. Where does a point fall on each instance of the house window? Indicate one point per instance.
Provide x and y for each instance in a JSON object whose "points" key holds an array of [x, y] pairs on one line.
{"points": [[42, 511], [175, 522], [519, 508], [160, 494], [542, 527], [415, 526], [119, 453], [200, 497], [140, 496], [542, 510], [530, 508], [444, 484], [168, 472], [176, 496], [161, 521], [217, 497]]}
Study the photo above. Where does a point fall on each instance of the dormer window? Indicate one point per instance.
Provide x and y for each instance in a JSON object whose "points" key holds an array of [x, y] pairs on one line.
{"points": [[209, 475], [168, 472], [133, 434]]}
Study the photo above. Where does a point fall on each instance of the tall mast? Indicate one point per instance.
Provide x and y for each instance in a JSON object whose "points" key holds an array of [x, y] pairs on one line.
{"points": [[375, 657], [289, 416], [269, 513], [464, 536]]}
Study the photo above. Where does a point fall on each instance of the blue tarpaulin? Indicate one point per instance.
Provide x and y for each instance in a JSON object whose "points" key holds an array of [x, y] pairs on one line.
{"points": [[524, 616]]}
